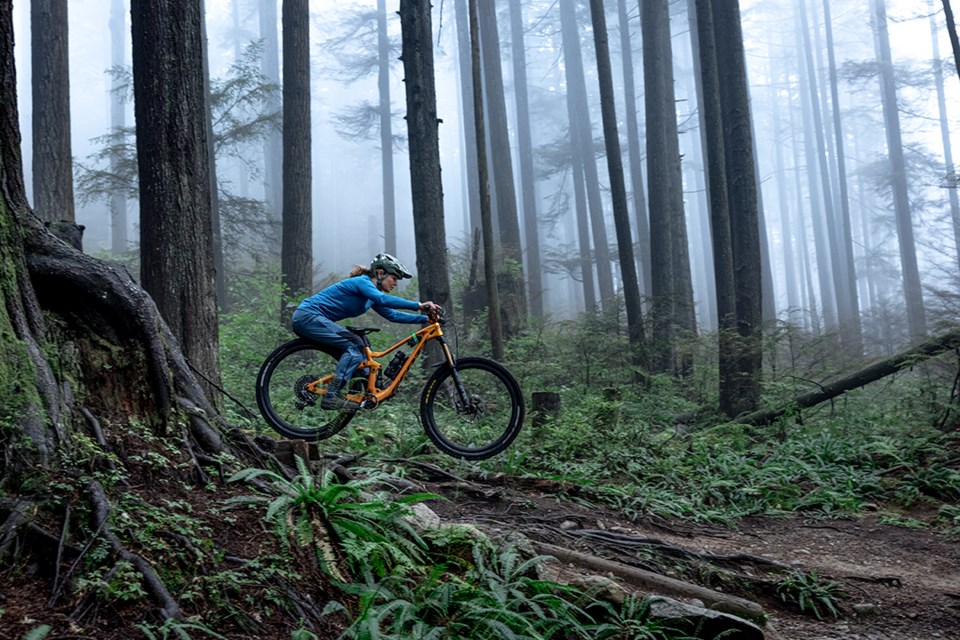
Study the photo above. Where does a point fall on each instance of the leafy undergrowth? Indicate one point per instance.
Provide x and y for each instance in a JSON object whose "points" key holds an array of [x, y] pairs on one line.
{"points": [[272, 553]]}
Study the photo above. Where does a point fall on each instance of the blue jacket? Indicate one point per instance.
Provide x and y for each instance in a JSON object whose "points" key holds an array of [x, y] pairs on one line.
{"points": [[354, 296]]}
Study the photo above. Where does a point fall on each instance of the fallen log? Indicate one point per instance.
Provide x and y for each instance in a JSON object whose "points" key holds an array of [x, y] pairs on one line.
{"points": [[659, 584], [874, 372]]}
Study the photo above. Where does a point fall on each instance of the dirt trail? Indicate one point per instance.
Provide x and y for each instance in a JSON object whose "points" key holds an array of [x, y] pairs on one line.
{"points": [[903, 584]]}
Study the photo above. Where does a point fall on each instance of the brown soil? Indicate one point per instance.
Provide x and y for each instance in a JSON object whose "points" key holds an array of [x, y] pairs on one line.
{"points": [[905, 582]]}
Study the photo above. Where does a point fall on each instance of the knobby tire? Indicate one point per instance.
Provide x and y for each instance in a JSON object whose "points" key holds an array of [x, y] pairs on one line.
{"points": [[492, 418], [277, 392]]}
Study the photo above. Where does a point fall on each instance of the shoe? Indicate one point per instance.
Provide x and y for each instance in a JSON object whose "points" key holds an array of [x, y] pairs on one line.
{"points": [[333, 398]]}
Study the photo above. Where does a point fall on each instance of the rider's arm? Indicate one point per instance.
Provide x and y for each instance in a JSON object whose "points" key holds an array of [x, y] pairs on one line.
{"points": [[384, 300], [400, 316]]}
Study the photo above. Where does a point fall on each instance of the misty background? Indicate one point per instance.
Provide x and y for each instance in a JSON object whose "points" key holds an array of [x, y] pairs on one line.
{"points": [[347, 191]]}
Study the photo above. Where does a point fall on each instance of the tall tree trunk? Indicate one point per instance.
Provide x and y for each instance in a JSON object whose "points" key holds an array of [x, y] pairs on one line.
{"points": [[743, 198], [618, 189], [663, 179], [824, 263], [787, 234], [633, 150], [386, 131], [52, 157], [513, 300], [913, 293], [581, 136], [852, 332], [273, 142], [239, 41], [219, 270], [528, 187], [118, 200], [583, 232], [846, 314], [21, 323], [469, 128], [176, 246], [423, 136], [952, 33], [296, 260], [945, 130], [711, 122], [489, 257]]}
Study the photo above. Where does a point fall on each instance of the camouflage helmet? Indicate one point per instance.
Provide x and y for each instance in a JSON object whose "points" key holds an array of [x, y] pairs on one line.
{"points": [[390, 265]]}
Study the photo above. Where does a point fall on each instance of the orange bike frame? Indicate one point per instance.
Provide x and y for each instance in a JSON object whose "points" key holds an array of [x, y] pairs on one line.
{"points": [[430, 332]]}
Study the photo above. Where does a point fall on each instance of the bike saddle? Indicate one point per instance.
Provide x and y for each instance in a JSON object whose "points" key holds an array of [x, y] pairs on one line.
{"points": [[361, 331]]}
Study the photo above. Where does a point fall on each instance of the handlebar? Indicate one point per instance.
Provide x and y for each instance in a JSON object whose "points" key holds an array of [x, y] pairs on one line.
{"points": [[438, 316]]}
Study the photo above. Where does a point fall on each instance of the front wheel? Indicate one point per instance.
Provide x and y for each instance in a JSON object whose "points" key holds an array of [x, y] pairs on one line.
{"points": [[475, 422], [284, 398]]}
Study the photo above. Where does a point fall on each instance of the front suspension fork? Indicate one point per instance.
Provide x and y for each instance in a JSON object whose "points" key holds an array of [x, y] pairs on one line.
{"points": [[457, 382]]}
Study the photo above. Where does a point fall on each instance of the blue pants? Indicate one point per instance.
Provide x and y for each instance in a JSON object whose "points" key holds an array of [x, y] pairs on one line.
{"points": [[325, 331]]}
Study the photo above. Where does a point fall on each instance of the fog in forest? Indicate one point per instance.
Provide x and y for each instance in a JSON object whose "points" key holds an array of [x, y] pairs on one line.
{"points": [[794, 124]]}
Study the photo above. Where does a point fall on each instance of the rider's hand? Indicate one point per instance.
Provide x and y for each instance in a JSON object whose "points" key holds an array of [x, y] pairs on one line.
{"points": [[433, 309]]}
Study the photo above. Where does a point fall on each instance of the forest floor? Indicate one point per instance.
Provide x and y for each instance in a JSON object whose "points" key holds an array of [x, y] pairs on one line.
{"points": [[905, 582]]}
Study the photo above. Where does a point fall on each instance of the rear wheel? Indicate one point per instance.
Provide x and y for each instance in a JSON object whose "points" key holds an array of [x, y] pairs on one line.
{"points": [[286, 403], [481, 422]]}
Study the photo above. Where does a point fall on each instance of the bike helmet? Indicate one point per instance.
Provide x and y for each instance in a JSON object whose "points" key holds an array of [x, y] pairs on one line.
{"points": [[390, 265]]}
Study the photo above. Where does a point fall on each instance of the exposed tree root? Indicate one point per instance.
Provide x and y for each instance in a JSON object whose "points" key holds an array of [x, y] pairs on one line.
{"points": [[169, 608]]}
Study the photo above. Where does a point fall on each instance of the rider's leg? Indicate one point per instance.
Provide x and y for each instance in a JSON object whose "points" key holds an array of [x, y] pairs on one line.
{"points": [[325, 331]]}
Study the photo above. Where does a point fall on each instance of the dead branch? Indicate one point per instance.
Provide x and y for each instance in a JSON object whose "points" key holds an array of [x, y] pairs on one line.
{"points": [[628, 541], [874, 372], [657, 583]]}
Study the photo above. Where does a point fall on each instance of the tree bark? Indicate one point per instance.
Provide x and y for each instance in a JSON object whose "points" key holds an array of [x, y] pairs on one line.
{"points": [[711, 121], [176, 265], [672, 304], [743, 197], [581, 136], [513, 299], [638, 192], [618, 190], [912, 288], [489, 258], [216, 229], [296, 261], [423, 136], [52, 157]]}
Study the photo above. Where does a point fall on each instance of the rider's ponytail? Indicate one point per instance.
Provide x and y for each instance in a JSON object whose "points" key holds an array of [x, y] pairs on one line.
{"points": [[360, 270]]}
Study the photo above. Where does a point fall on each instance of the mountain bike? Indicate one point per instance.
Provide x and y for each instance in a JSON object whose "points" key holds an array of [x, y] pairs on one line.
{"points": [[470, 408]]}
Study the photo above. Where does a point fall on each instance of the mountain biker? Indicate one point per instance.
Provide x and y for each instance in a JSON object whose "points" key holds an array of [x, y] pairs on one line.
{"points": [[365, 287]]}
